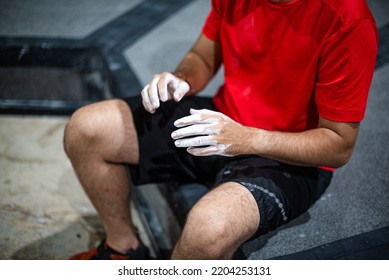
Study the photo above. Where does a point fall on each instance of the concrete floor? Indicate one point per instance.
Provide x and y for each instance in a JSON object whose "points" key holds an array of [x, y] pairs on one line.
{"points": [[43, 211], [44, 214], [41, 198]]}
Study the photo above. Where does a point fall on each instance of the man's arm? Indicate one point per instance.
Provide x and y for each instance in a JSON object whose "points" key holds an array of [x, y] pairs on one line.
{"points": [[212, 133], [200, 64], [195, 70], [331, 144]]}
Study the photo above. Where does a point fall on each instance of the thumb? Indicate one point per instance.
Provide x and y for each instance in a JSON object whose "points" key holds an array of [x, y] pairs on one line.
{"points": [[181, 90]]}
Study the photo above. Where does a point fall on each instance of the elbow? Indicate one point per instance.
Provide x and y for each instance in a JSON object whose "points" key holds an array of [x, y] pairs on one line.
{"points": [[341, 160], [342, 157], [341, 140]]}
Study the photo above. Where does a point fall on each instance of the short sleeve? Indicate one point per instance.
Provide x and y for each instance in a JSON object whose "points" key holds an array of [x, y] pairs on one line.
{"points": [[345, 72], [211, 28]]}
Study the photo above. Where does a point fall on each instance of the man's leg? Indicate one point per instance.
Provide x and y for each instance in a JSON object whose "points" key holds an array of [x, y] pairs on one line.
{"points": [[218, 224], [99, 139]]}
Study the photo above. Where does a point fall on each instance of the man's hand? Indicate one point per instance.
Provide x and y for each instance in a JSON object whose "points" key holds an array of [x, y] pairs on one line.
{"points": [[163, 87], [210, 133]]}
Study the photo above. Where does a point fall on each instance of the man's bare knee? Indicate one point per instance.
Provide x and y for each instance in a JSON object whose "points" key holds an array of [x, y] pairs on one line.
{"points": [[203, 234], [219, 223], [81, 129], [106, 127]]}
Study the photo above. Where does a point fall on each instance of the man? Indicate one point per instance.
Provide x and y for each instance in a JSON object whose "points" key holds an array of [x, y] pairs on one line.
{"points": [[297, 76]]}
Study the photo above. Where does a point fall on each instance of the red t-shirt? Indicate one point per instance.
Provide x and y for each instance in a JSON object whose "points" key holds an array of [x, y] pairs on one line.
{"points": [[287, 62]]}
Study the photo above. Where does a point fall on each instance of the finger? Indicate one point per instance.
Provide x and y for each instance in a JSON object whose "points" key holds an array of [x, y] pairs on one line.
{"points": [[153, 92], [181, 90], [196, 129], [208, 114], [195, 119], [162, 86], [218, 149], [204, 112], [188, 120], [195, 142], [146, 100], [204, 151]]}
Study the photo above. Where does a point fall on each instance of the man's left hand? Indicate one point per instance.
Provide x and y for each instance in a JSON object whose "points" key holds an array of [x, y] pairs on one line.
{"points": [[205, 132]]}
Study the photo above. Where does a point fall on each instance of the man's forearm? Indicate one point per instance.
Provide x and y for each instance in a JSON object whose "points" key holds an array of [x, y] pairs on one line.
{"points": [[195, 71], [316, 147], [200, 64]]}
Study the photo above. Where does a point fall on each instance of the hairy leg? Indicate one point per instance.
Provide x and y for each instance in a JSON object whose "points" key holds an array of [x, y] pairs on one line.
{"points": [[218, 224], [99, 139]]}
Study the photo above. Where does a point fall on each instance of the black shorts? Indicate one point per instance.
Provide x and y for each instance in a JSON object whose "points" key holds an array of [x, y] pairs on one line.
{"points": [[282, 191]]}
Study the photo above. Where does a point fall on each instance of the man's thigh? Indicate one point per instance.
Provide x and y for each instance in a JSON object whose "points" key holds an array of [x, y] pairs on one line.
{"points": [[282, 191]]}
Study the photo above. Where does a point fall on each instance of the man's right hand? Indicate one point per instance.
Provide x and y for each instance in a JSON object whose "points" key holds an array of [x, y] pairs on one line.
{"points": [[163, 87]]}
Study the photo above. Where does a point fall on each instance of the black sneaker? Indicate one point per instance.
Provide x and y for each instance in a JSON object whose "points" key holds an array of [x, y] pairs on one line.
{"points": [[104, 252]]}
